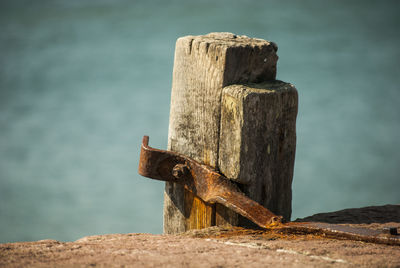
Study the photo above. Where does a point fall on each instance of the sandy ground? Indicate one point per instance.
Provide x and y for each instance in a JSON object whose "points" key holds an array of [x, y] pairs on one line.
{"points": [[212, 247]]}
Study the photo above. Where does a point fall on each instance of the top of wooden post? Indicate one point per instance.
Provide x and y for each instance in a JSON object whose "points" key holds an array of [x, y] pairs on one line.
{"points": [[237, 58], [225, 58], [230, 39]]}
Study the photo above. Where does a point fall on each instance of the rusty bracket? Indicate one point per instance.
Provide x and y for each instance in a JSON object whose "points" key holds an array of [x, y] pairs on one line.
{"points": [[203, 181], [212, 187]]}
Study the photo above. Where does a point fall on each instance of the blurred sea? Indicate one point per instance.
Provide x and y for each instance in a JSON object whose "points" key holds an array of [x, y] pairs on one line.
{"points": [[82, 81]]}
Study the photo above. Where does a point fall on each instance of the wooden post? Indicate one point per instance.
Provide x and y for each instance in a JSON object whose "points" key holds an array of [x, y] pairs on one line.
{"points": [[225, 114]]}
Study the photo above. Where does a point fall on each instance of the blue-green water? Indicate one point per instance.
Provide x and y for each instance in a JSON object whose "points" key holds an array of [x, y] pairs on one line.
{"points": [[82, 81]]}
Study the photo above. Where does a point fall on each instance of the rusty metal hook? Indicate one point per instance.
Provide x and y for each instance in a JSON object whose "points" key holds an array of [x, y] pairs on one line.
{"points": [[202, 180], [213, 187]]}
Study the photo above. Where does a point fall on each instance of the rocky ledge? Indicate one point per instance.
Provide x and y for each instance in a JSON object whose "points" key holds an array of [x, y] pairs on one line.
{"points": [[218, 247]]}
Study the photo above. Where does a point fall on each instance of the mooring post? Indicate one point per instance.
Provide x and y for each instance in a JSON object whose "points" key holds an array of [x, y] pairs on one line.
{"points": [[227, 111]]}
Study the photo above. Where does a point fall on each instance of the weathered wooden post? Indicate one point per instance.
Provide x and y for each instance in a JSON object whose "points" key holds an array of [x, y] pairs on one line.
{"points": [[227, 111]]}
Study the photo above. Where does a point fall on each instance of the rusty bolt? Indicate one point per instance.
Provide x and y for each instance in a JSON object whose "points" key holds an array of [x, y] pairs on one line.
{"points": [[180, 170]]}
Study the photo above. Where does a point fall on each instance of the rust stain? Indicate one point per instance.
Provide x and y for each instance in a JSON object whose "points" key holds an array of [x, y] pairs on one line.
{"points": [[198, 214], [301, 231]]}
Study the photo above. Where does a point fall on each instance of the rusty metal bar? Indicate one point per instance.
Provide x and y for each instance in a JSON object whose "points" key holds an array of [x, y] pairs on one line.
{"points": [[203, 181], [342, 232], [213, 187]]}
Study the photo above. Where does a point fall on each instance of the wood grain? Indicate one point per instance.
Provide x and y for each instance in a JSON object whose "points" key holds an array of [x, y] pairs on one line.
{"points": [[258, 142], [203, 66]]}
